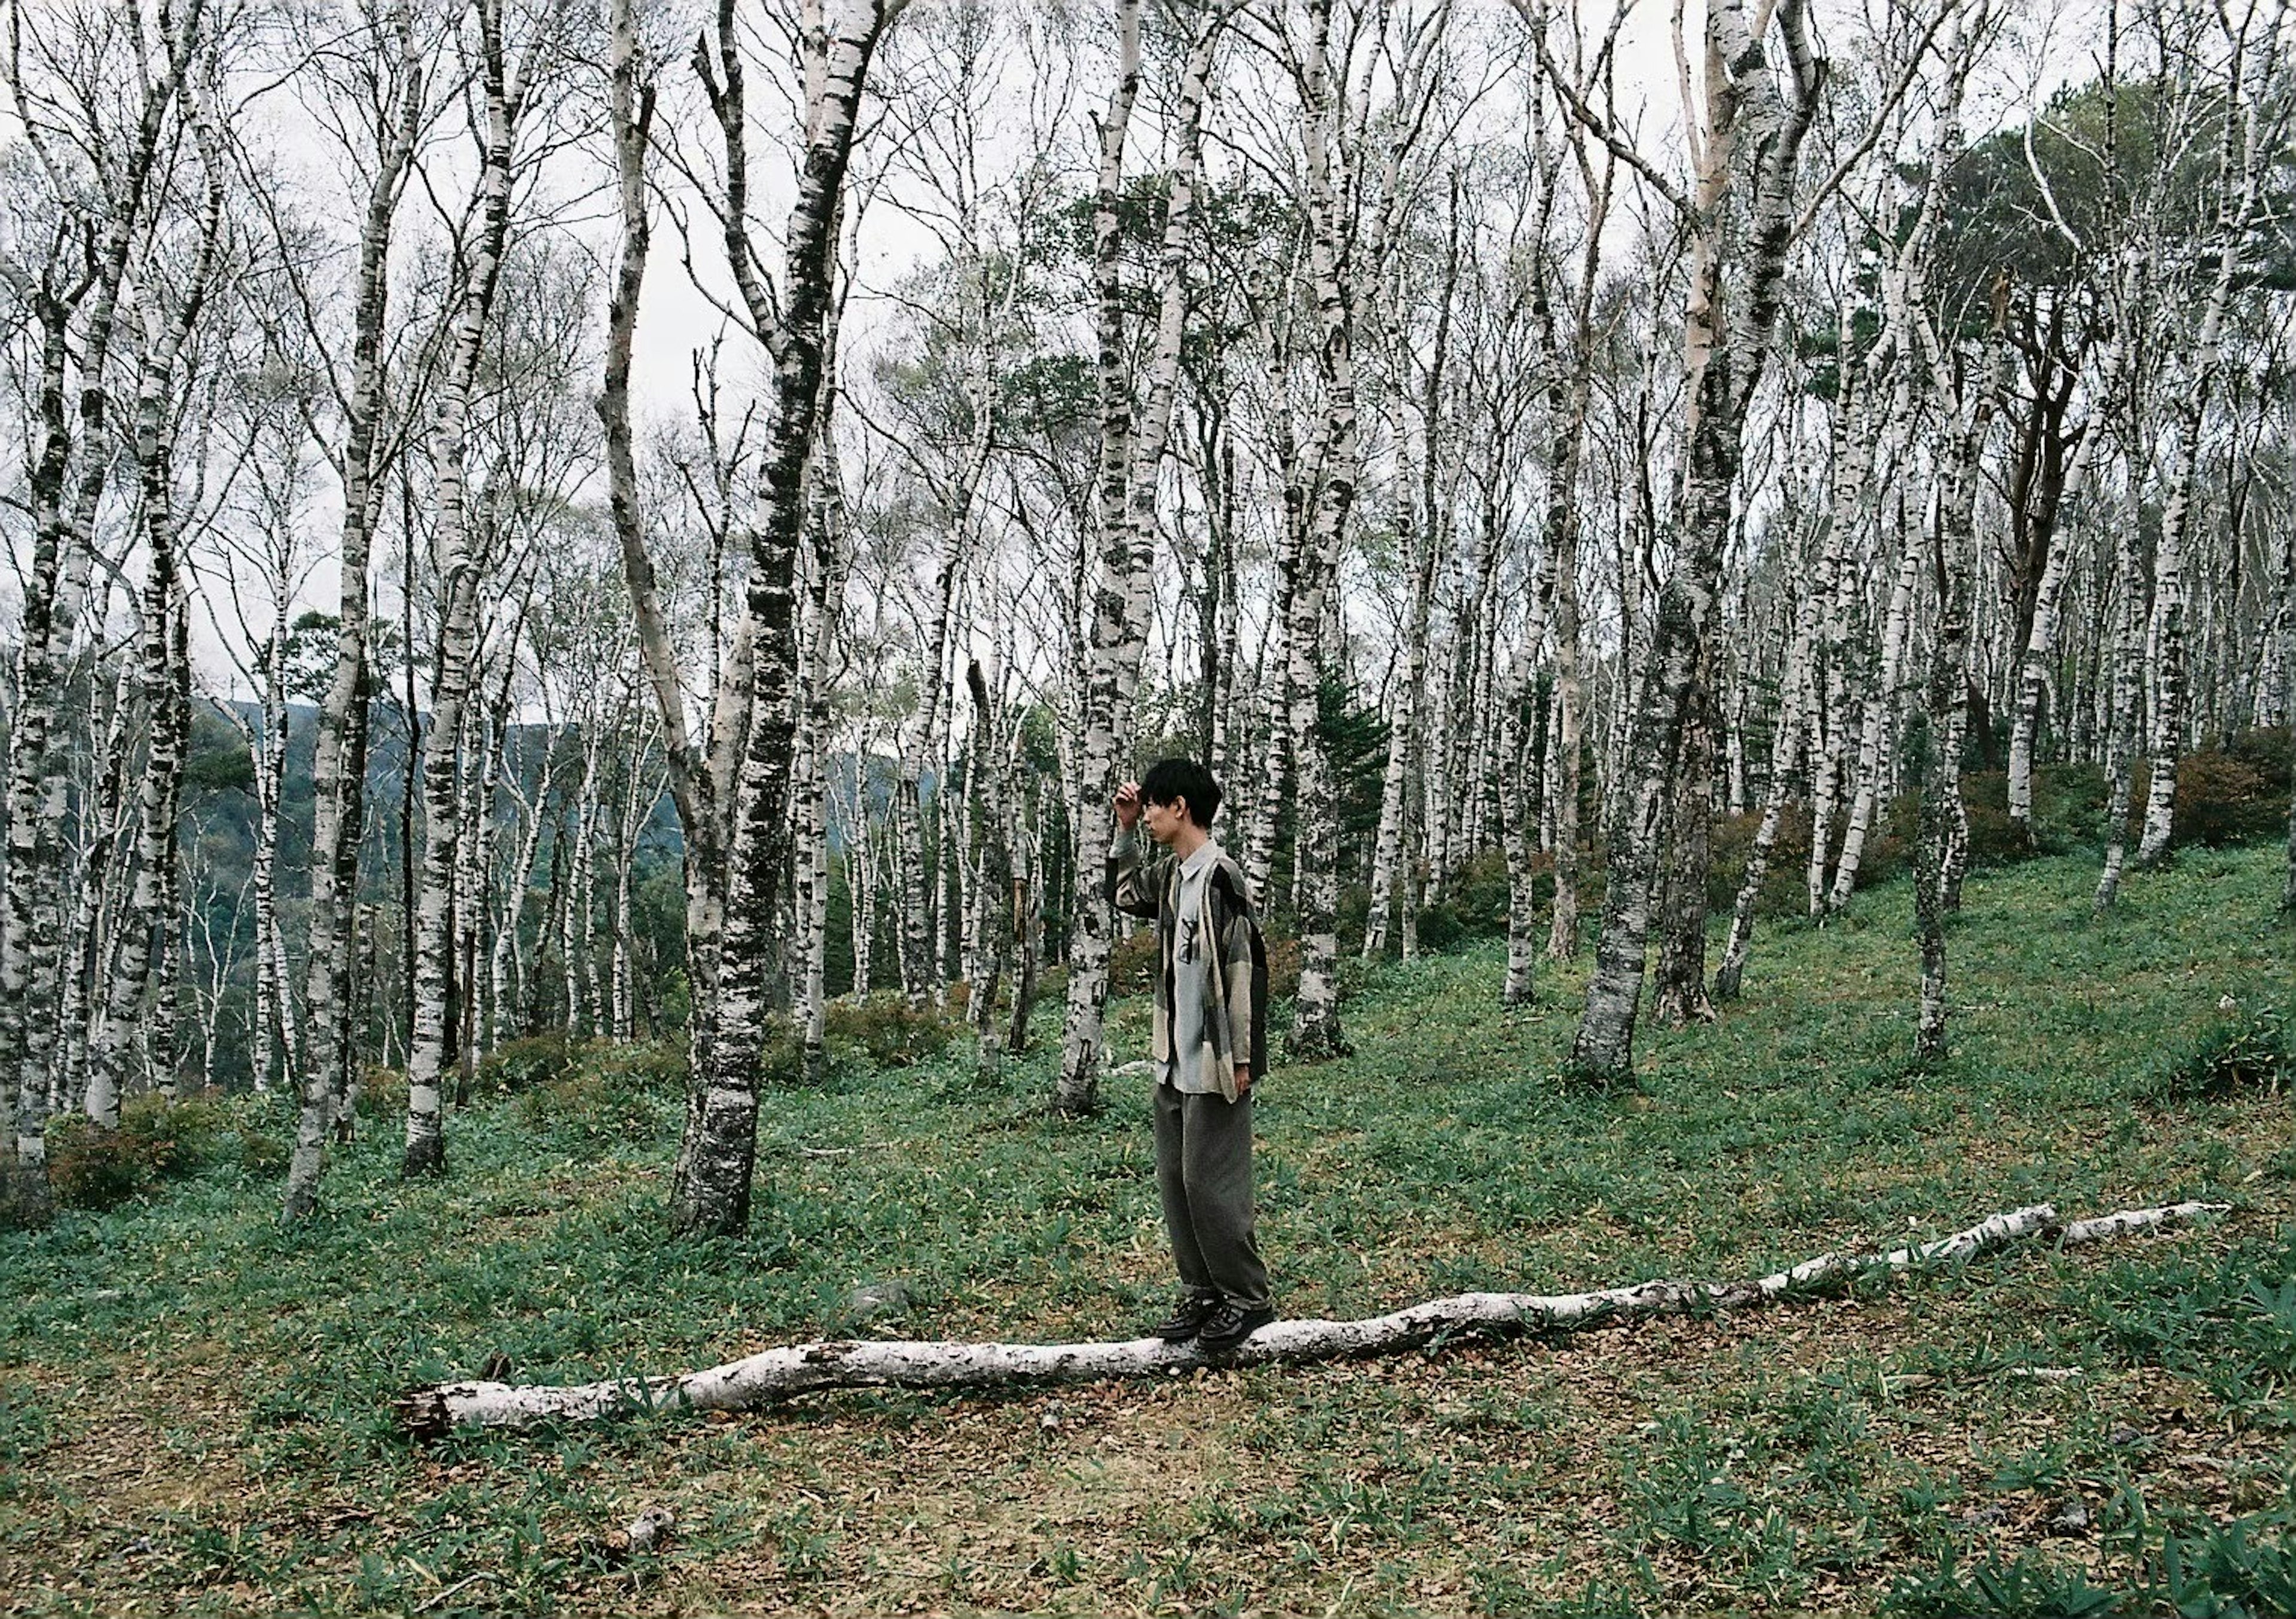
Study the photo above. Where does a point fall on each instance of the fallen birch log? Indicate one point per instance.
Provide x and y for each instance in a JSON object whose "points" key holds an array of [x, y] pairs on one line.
{"points": [[777, 1374]]}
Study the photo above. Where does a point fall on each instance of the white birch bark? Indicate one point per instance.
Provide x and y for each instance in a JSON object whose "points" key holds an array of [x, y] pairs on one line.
{"points": [[506, 980], [1726, 347], [136, 1046], [339, 767], [1947, 686], [717, 1154], [1312, 610], [779, 1374], [2240, 175], [503, 88], [71, 456], [831, 567], [2287, 697], [1131, 462], [2127, 690]]}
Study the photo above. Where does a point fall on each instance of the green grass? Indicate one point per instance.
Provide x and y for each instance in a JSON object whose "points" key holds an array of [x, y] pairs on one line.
{"points": [[193, 1401]]}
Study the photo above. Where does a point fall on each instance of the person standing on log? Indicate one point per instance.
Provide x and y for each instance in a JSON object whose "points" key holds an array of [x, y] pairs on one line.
{"points": [[1209, 1043]]}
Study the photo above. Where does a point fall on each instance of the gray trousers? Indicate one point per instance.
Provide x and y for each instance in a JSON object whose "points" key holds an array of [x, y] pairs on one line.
{"points": [[1203, 1176]]}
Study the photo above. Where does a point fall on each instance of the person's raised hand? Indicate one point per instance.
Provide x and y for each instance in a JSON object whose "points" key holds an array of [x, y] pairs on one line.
{"points": [[1127, 806]]}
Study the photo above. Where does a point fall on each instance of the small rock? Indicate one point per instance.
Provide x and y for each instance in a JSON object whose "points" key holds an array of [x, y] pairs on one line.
{"points": [[651, 1528], [2071, 1516], [649, 1531], [2122, 1436], [1985, 1517], [873, 1299]]}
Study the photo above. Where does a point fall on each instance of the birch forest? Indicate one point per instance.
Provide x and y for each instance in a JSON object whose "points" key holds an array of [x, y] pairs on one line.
{"points": [[530, 518], [585, 578]]}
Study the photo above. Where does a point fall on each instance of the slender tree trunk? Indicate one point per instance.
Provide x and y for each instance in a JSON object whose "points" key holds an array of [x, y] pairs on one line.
{"points": [[1130, 461], [1938, 727], [339, 758], [503, 969], [1726, 359], [1679, 985], [2287, 697], [2240, 171], [1786, 747], [716, 1157], [1877, 730], [139, 1006], [992, 887], [833, 561], [2128, 693], [460, 571]]}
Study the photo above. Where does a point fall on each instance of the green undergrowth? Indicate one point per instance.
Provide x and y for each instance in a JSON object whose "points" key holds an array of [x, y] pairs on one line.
{"points": [[194, 1401]]}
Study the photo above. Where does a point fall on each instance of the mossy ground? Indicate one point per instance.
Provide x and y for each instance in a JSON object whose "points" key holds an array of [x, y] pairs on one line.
{"points": [[194, 1410]]}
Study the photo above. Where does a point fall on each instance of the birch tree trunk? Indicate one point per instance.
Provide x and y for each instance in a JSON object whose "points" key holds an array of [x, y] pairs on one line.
{"points": [[1726, 349], [1938, 735], [1131, 461], [2128, 694], [339, 767], [2287, 699], [1786, 746], [459, 571], [832, 562], [1316, 1032], [991, 892], [2040, 648], [1416, 531], [2188, 411], [1877, 730], [504, 969], [1567, 457], [1678, 987], [716, 1157], [67, 476], [139, 1012]]}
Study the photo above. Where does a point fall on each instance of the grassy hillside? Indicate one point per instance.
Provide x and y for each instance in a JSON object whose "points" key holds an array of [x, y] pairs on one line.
{"points": [[192, 1402]]}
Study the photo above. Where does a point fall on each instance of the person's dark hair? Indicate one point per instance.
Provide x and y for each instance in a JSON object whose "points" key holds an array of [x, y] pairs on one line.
{"points": [[1169, 779]]}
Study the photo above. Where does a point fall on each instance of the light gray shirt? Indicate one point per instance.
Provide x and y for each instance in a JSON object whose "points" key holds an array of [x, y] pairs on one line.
{"points": [[1193, 957]]}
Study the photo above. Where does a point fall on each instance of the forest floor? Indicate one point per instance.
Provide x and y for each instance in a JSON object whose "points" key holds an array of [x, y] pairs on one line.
{"points": [[195, 1402]]}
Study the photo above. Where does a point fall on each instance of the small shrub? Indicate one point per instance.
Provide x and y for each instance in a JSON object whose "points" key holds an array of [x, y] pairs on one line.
{"points": [[262, 1155], [523, 1064], [382, 1094], [93, 1168], [1133, 963], [2224, 797], [2241, 1050], [886, 1031], [607, 1094], [781, 1054], [1474, 902], [1480, 890], [1283, 966], [2068, 808], [1440, 927], [1731, 842], [157, 1140], [1994, 839]]}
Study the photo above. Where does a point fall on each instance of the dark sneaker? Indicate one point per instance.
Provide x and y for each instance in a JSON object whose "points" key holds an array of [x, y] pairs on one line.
{"points": [[1231, 1324], [1193, 1310]]}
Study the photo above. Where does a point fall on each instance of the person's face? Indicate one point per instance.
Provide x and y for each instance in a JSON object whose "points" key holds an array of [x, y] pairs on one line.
{"points": [[1164, 821]]}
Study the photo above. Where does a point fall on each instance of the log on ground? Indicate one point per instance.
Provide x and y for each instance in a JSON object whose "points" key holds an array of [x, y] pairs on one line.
{"points": [[777, 1374]]}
